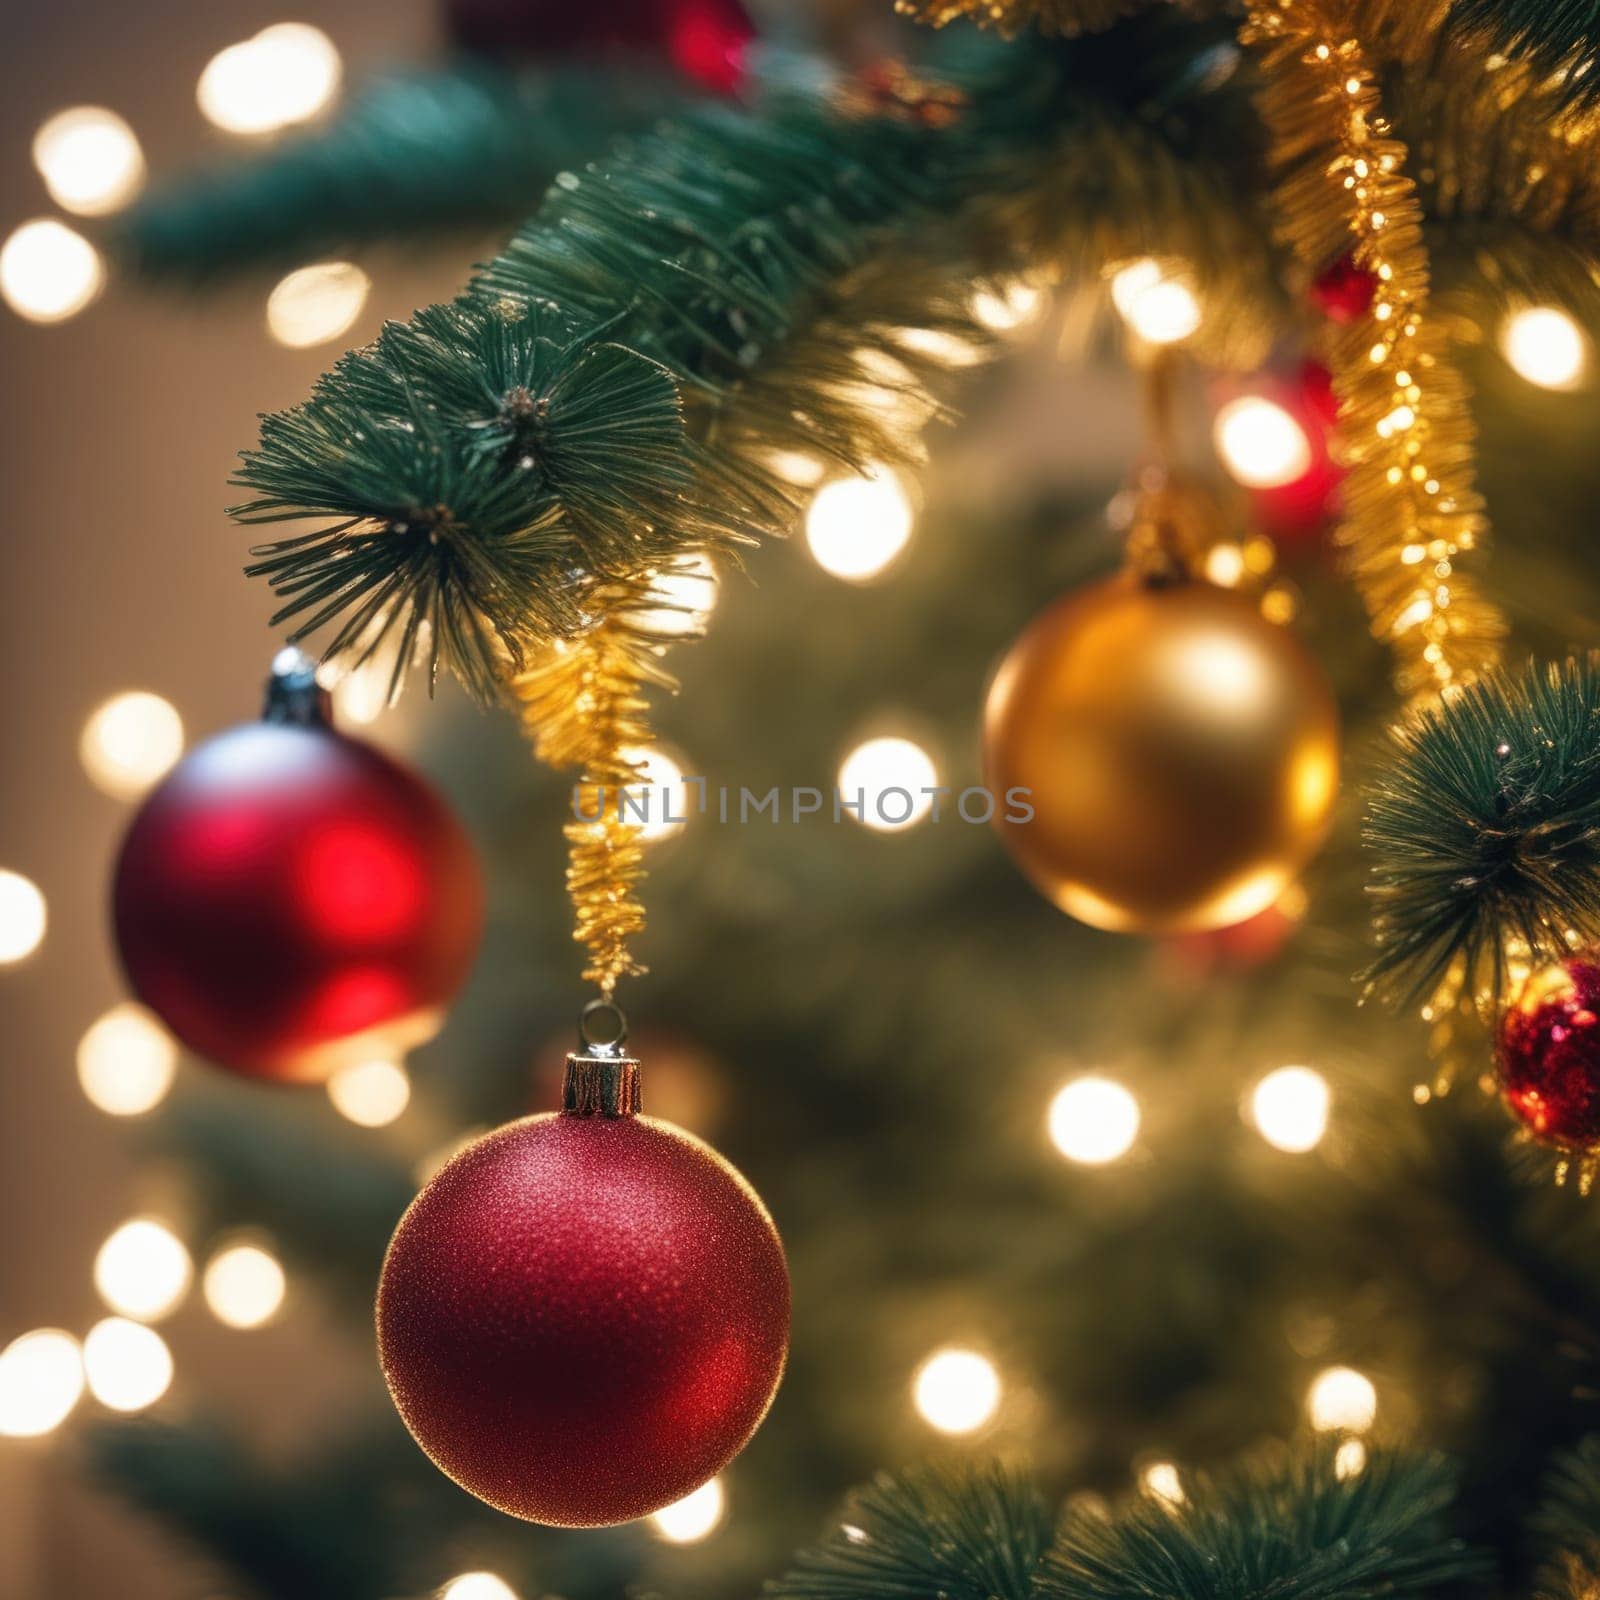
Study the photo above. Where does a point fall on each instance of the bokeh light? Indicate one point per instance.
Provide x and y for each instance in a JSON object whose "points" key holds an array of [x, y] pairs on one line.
{"points": [[477, 1586], [1545, 346], [126, 1061], [662, 798], [129, 742], [1350, 1460], [49, 273], [857, 526], [1093, 1120], [1162, 1481], [286, 74], [317, 303], [41, 1380], [22, 917], [1290, 1108], [692, 1518], [887, 776], [956, 1391], [128, 1366], [244, 1285], [1005, 308], [1341, 1400], [90, 160], [371, 1094], [143, 1270], [681, 601], [1260, 443], [1156, 300]]}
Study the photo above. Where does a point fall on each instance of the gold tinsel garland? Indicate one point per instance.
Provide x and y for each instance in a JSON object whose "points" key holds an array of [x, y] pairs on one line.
{"points": [[1069, 17], [1412, 511]]}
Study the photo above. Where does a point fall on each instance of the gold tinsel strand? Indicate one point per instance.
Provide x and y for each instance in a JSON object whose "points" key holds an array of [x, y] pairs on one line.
{"points": [[1412, 511], [1069, 17], [583, 707]]}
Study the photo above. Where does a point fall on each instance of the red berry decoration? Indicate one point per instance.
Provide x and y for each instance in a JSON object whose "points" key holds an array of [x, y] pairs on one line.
{"points": [[1343, 291], [1549, 1055], [584, 1316], [288, 899]]}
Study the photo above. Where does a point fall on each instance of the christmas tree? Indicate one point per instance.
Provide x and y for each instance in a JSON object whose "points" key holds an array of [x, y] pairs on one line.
{"points": [[1137, 1242]]}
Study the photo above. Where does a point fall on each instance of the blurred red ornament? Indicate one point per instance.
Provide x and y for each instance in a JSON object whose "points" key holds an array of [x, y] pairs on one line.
{"points": [[1549, 1055], [1343, 291], [288, 899], [1251, 943], [1294, 512], [584, 1316], [706, 40]]}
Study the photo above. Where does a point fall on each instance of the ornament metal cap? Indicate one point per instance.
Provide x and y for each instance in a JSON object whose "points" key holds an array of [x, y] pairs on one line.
{"points": [[602, 1079], [294, 694]]}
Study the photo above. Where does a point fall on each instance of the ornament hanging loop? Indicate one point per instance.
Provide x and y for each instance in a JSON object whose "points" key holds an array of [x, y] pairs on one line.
{"points": [[598, 1036], [602, 1079]]}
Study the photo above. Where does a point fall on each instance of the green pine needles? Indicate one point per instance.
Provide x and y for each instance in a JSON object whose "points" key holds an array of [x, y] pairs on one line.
{"points": [[1487, 829]]}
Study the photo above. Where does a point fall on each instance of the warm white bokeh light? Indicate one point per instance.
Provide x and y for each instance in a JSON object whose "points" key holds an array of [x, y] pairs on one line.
{"points": [[286, 74], [1341, 1400], [682, 600], [1290, 1108], [22, 917], [90, 160], [143, 1270], [1156, 301], [662, 797], [126, 1061], [49, 273], [371, 1094], [956, 1391], [128, 1366], [41, 1380], [1093, 1120], [129, 742], [1260, 444], [477, 1586], [244, 1286], [888, 776], [857, 526], [690, 1519], [1349, 1460], [1162, 1481], [315, 304], [1545, 346], [1004, 308]]}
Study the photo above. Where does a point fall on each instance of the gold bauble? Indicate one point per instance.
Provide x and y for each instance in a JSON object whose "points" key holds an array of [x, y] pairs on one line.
{"points": [[1182, 755]]}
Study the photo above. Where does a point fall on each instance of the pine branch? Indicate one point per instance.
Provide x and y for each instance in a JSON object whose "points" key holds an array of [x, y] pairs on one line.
{"points": [[1567, 1526], [1486, 830], [415, 154], [1558, 39], [976, 1534], [1292, 1529]]}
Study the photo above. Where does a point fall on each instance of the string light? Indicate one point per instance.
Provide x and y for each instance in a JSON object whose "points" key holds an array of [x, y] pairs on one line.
{"points": [[315, 304], [89, 159], [1341, 1400], [1008, 307], [126, 1061], [857, 526], [1093, 1120], [889, 776], [683, 599], [691, 1519], [22, 918], [128, 1366], [1161, 1481], [956, 1391], [41, 1380], [371, 1094], [662, 797], [129, 742], [477, 1586], [244, 1286], [49, 273], [1290, 1109], [1156, 301], [1260, 443], [1349, 1460], [1224, 565], [143, 1270], [286, 74], [1545, 346]]}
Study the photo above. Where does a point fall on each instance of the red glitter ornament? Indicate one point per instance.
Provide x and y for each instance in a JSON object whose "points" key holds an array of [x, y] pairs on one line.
{"points": [[1549, 1055], [289, 899], [1343, 291], [584, 1316]]}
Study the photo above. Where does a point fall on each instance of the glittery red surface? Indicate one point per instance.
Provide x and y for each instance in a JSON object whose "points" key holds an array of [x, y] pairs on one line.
{"points": [[1550, 1056], [583, 1319], [286, 888]]}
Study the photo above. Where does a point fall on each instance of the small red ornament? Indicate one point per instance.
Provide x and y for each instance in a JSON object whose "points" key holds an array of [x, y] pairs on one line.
{"points": [[289, 898], [584, 1316], [706, 40], [1294, 510], [1549, 1055], [1343, 291]]}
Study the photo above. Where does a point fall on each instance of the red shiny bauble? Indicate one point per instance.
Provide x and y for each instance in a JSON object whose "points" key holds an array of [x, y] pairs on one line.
{"points": [[1343, 291], [583, 1318], [1549, 1054], [1295, 512], [288, 899], [706, 40]]}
